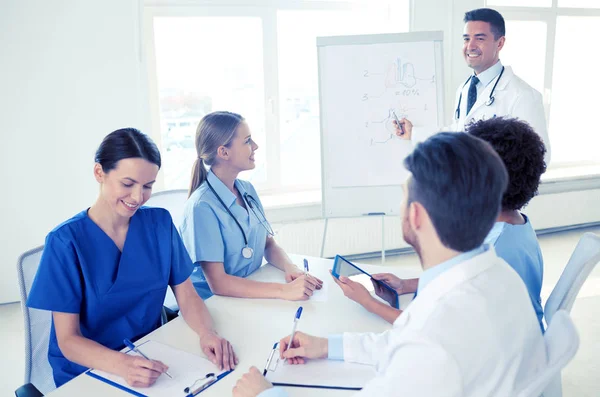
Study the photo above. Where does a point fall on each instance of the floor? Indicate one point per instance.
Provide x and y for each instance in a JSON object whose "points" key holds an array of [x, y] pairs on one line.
{"points": [[580, 378]]}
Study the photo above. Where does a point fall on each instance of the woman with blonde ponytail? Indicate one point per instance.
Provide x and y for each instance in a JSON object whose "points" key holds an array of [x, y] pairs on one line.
{"points": [[224, 228]]}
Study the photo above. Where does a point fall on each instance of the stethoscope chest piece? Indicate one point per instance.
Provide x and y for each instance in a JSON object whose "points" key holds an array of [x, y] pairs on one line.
{"points": [[247, 252]]}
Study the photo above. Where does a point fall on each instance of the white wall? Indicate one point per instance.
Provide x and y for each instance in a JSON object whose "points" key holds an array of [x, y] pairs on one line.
{"points": [[69, 74]]}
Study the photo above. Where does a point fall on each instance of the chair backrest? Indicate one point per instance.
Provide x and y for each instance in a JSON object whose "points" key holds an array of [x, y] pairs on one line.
{"points": [[562, 341], [171, 200], [583, 260], [37, 326]]}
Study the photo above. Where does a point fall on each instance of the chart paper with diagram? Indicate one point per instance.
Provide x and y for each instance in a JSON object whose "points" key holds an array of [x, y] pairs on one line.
{"points": [[366, 82]]}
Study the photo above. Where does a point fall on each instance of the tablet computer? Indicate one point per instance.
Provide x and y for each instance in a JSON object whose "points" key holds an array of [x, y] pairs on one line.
{"points": [[343, 267]]}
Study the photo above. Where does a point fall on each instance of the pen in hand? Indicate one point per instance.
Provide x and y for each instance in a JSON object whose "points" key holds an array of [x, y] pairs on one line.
{"points": [[398, 122], [305, 266], [296, 319], [130, 345]]}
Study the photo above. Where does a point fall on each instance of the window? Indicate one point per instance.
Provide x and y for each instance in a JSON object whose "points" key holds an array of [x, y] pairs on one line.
{"points": [[573, 115], [258, 60], [548, 36], [579, 3], [205, 64], [525, 51], [519, 3], [298, 82]]}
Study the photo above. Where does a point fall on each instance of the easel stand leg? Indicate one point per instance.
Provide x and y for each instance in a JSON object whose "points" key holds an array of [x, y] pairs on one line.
{"points": [[383, 239], [324, 237]]}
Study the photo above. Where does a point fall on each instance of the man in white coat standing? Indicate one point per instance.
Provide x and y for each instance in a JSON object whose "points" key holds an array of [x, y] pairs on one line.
{"points": [[471, 330], [493, 90]]}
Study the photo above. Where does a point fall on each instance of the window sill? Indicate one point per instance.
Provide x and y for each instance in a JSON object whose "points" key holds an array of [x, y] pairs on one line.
{"points": [[306, 205], [570, 178]]}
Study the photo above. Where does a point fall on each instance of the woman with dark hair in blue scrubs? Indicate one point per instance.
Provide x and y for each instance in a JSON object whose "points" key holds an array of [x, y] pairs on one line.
{"points": [[104, 273]]}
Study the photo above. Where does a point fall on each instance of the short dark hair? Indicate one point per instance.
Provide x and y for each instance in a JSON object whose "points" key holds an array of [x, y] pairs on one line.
{"points": [[124, 144], [522, 151], [493, 17], [459, 179]]}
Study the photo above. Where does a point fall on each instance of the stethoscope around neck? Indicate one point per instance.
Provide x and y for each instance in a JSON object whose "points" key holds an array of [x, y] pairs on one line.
{"points": [[247, 251], [490, 100]]}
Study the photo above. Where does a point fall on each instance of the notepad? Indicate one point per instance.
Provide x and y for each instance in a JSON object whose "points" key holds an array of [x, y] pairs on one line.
{"points": [[329, 374], [184, 367]]}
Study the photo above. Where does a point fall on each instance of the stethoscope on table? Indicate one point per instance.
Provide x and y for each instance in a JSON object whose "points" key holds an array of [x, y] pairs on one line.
{"points": [[490, 100], [247, 251]]}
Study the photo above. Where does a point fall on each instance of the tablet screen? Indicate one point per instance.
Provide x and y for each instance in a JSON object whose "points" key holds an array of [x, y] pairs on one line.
{"points": [[342, 267]]}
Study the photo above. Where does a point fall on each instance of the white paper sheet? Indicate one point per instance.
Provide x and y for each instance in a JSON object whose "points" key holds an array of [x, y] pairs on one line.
{"points": [[328, 373], [184, 367]]}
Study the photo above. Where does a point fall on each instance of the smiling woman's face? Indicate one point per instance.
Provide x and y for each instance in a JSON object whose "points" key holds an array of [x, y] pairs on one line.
{"points": [[128, 186]]}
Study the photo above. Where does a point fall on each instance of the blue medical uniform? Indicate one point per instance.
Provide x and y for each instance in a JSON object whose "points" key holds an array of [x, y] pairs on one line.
{"points": [[211, 235], [117, 294], [519, 247]]}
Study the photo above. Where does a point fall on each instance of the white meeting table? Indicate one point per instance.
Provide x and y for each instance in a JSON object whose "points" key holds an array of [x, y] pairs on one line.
{"points": [[254, 325]]}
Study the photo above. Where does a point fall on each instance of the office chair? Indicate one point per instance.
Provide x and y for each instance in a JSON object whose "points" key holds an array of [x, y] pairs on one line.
{"points": [[561, 341], [583, 260], [38, 373], [173, 201]]}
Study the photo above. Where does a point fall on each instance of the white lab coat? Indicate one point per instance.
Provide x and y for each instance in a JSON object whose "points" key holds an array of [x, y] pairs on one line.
{"points": [[471, 332], [513, 98]]}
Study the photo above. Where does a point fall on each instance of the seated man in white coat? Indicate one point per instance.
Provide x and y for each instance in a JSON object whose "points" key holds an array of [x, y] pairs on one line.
{"points": [[471, 331]]}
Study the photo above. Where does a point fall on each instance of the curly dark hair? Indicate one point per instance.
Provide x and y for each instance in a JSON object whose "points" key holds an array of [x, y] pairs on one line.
{"points": [[522, 151]]}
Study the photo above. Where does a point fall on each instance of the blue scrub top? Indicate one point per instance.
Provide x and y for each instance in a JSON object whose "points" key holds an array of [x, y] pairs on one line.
{"points": [[519, 247], [117, 295], [211, 235]]}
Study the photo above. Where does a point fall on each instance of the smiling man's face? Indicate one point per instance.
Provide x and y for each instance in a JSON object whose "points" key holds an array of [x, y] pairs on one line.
{"points": [[480, 49]]}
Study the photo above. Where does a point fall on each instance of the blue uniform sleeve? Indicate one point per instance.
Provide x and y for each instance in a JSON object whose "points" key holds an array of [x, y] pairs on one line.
{"points": [[58, 284], [335, 347], [201, 234], [181, 264]]}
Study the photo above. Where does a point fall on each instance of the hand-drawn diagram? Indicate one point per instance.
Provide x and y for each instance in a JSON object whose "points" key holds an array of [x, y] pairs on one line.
{"points": [[363, 89]]}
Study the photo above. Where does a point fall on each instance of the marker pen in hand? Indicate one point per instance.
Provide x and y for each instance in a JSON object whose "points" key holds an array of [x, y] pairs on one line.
{"points": [[398, 122]]}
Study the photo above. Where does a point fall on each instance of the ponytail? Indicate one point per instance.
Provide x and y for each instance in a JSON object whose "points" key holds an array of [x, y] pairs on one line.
{"points": [[199, 175], [214, 130]]}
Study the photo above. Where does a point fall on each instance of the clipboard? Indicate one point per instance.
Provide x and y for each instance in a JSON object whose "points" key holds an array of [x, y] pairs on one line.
{"points": [[189, 371], [317, 374]]}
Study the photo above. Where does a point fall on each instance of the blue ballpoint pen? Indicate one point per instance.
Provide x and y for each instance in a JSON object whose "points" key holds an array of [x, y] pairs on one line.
{"points": [[130, 345], [305, 265], [296, 319]]}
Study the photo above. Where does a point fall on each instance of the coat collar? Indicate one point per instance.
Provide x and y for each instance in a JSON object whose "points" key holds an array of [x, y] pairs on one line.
{"points": [[223, 191], [442, 285]]}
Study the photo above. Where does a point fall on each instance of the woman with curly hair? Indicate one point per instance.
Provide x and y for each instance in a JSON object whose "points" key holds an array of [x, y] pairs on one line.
{"points": [[522, 151], [513, 237]]}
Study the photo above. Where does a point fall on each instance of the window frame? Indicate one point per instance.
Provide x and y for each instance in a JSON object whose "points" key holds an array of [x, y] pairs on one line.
{"points": [[267, 11], [550, 15]]}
